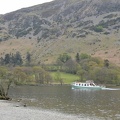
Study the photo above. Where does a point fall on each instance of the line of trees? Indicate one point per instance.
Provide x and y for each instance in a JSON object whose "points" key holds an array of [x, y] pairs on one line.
{"points": [[84, 65], [21, 75], [87, 67], [15, 59]]}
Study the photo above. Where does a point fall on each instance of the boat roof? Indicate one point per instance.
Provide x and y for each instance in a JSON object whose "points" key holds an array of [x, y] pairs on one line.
{"points": [[88, 81]]}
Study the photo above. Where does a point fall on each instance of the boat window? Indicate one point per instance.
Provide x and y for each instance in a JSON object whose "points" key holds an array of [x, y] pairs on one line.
{"points": [[91, 84]]}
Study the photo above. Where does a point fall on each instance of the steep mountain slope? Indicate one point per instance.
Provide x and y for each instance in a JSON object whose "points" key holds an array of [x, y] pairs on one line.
{"points": [[91, 26]]}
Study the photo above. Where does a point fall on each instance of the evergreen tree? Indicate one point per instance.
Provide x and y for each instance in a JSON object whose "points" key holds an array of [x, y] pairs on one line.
{"points": [[1, 61], [77, 58], [28, 58], [7, 59], [106, 63], [18, 59], [12, 59]]}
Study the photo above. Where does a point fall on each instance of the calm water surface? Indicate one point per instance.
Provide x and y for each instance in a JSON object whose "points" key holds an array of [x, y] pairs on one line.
{"points": [[99, 104]]}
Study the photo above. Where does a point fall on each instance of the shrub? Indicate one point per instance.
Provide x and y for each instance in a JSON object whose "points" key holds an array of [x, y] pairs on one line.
{"points": [[98, 29]]}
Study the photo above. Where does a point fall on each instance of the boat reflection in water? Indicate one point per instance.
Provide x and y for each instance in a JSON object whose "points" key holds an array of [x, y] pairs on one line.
{"points": [[90, 85]]}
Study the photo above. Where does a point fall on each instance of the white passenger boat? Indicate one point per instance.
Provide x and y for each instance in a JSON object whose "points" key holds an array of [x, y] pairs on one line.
{"points": [[86, 85]]}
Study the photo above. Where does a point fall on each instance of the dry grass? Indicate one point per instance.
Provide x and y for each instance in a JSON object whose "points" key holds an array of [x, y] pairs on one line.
{"points": [[47, 51]]}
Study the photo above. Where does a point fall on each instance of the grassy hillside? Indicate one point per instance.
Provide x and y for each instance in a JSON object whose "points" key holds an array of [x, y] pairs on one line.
{"points": [[105, 47], [63, 26]]}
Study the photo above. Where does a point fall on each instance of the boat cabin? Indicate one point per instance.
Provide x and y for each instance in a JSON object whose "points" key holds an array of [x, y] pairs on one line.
{"points": [[84, 84]]}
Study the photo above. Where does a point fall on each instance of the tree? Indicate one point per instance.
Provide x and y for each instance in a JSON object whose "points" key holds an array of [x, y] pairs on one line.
{"points": [[1, 61], [77, 58], [7, 59], [41, 76], [106, 63], [64, 57], [6, 78], [58, 77], [85, 64], [80, 73], [84, 56], [28, 58], [104, 75], [59, 64], [10, 80], [98, 29], [3, 72], [12, 59], [71, 66], [48, 78], [20, 75], [18, 59]]}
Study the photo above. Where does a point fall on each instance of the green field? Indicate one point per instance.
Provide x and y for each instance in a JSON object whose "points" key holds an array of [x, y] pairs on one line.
{"points": [[66, 77]]}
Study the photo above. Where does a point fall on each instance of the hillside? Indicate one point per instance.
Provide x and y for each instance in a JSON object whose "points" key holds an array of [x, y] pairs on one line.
{"points": [[47, 30]]}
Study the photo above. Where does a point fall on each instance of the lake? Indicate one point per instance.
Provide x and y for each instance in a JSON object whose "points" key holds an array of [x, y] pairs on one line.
{"points": [[92, 104]]}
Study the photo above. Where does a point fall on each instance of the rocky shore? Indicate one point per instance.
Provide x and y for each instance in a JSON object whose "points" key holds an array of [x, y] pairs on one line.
{"points": [[14, 111]]}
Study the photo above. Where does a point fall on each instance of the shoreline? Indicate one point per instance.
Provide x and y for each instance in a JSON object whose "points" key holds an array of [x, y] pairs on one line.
{"points": [[9, 110]]}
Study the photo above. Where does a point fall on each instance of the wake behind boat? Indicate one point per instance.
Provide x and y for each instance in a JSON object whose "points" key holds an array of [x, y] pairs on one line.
{"points": [[86, 85]]}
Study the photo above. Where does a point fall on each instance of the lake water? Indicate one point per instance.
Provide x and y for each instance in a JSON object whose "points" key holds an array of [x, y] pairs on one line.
{"points": [[95, 105]]}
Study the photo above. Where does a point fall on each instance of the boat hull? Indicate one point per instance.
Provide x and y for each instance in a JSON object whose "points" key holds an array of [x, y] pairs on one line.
{"points": [[87, 87]]}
